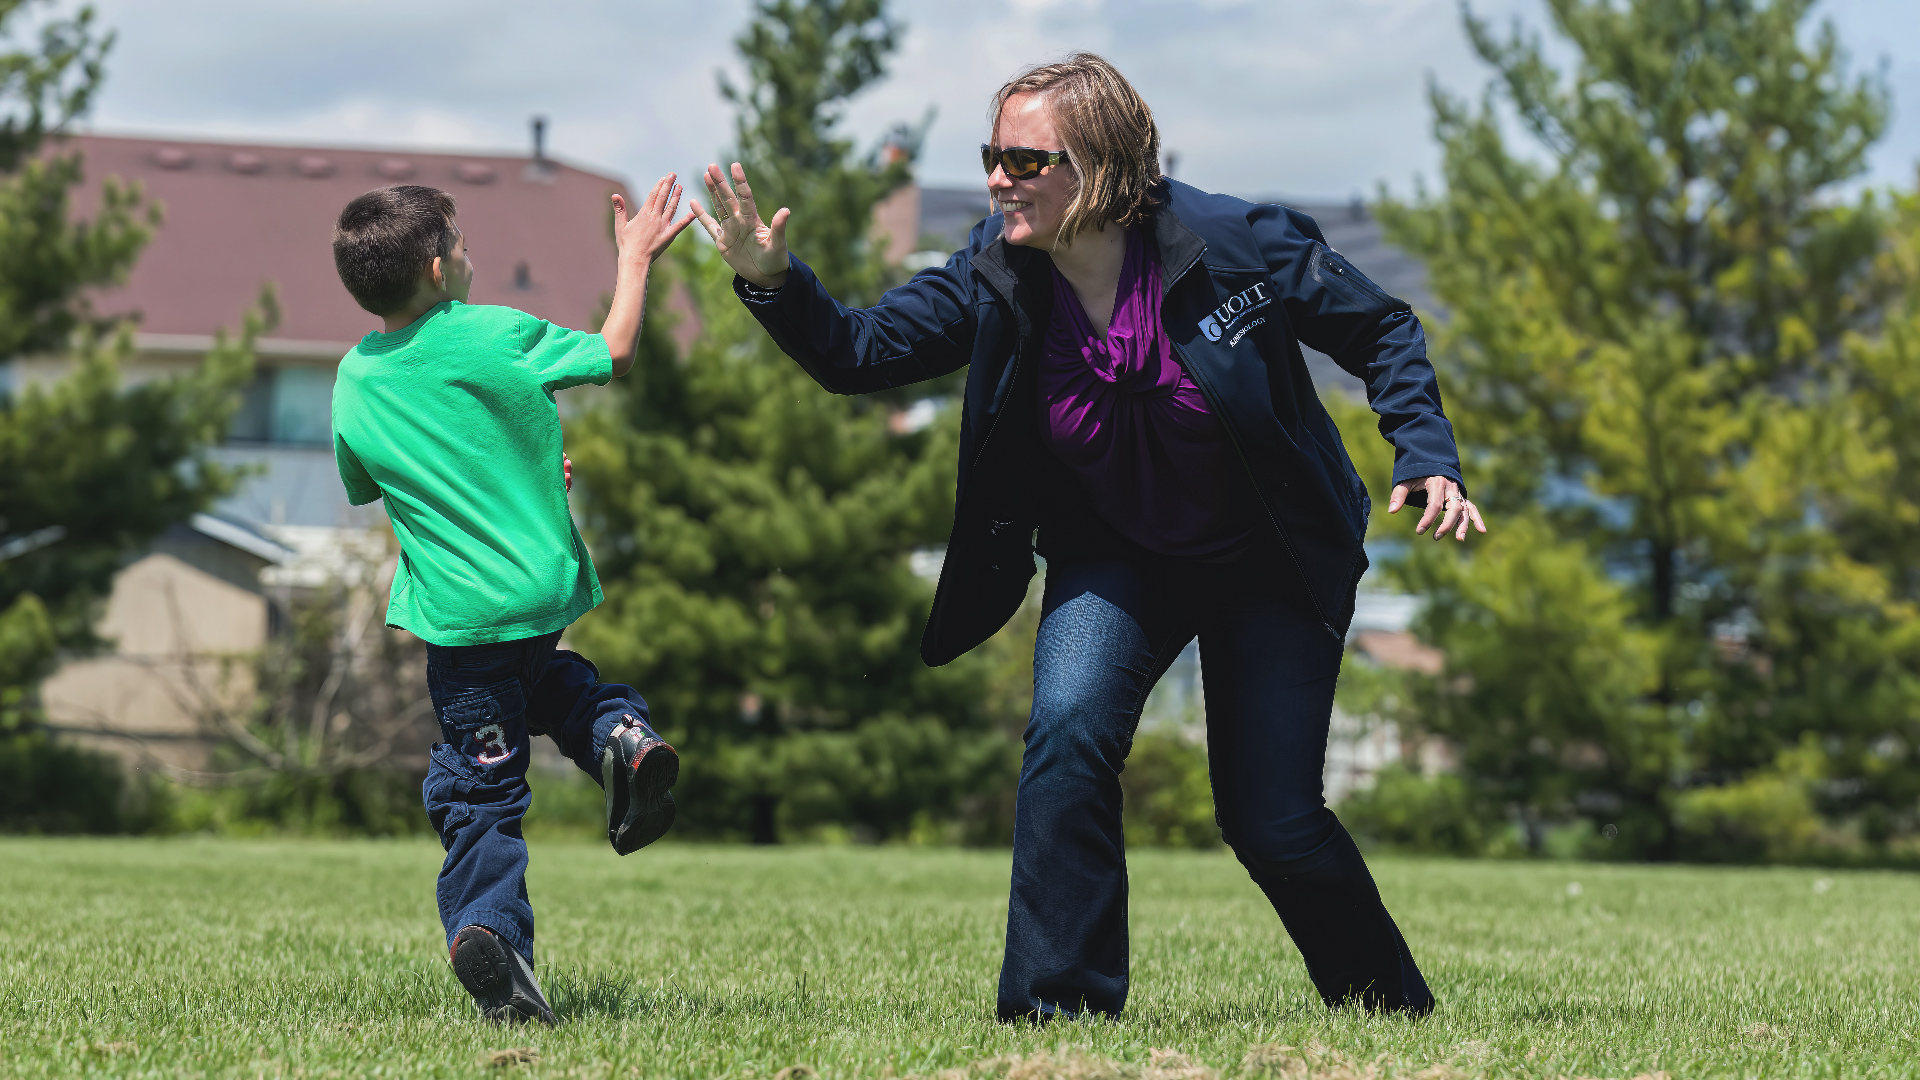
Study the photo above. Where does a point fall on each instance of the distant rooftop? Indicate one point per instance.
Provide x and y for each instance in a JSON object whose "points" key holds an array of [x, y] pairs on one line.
{"points": [[238, 214]]}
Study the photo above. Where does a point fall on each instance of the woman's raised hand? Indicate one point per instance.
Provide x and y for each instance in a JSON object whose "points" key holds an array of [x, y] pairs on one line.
{"points": [[755, 249], [1445, 500]]}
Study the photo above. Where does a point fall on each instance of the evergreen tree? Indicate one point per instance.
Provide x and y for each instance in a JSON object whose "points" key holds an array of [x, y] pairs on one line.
{"points": [[754, 534], [89, 471], [1645, 355], [1873, 510], [805, 60]]}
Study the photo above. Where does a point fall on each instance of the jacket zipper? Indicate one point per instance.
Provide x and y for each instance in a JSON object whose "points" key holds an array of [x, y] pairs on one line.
{"points": [[1233, 436], [1013, 376], [1213, 402], [1013, 380]]}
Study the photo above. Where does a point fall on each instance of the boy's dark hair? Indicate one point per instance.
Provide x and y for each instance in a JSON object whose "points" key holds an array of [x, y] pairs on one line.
{"points": [[385, 238]]}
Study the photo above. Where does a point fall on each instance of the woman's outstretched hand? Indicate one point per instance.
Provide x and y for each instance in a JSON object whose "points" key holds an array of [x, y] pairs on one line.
{"points": [[1442, 495], [755, 249]]}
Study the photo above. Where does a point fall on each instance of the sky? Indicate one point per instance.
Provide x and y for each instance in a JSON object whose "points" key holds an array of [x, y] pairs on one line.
{"points": [[1317, 101]]}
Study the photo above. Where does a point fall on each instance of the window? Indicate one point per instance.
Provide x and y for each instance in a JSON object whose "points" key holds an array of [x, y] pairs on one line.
{"points": [[288, 405]]}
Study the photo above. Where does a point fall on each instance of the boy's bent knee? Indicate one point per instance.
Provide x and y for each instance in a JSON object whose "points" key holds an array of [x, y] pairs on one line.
{"points": [[557, 689], [571, 704]]}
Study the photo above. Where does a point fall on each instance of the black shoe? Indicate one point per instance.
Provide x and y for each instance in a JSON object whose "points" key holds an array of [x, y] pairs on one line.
{"points": [[498, 977], [637, 768]]}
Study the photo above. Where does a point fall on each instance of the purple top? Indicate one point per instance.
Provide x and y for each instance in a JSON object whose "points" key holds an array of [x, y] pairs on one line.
{"points": [[1130, 425]]}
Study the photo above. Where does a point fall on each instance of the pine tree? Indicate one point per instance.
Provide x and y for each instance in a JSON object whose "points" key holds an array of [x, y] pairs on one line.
{"points": [[1873, 511], [754, 534], [1645, 353], [89, 471], [805, 60]]}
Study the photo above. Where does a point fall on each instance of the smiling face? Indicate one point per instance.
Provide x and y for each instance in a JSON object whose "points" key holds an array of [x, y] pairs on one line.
{"points": [[1031, 210]]}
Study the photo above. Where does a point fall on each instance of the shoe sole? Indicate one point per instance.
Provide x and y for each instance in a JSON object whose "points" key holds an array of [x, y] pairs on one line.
{"points": [[480, 963], [640, 804]]}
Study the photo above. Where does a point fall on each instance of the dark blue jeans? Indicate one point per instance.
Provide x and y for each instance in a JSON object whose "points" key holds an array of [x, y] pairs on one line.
{"points": [[1108, 631], [489, 700]]}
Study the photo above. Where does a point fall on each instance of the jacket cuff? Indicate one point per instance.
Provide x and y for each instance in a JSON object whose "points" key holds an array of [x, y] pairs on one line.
{"points": [[754, 294], [750, 293]]}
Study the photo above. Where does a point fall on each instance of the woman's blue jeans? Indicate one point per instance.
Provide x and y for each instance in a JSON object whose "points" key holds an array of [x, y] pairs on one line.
{"points": [[1108, 631], [489, 700]]}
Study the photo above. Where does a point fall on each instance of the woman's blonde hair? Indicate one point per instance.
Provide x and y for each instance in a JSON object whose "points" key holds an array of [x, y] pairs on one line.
{"points": [[1110, 138]]}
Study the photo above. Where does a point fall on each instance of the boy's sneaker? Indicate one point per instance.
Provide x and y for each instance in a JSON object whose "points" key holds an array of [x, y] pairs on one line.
{"points": [[498, 977], [637, 768]]}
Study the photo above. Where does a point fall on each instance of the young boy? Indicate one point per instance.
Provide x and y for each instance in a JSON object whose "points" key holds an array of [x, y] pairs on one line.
{"points": [[448, 414]]}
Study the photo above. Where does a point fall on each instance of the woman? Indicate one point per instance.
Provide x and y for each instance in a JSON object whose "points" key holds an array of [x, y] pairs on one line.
{"points": [[1137, 396]]}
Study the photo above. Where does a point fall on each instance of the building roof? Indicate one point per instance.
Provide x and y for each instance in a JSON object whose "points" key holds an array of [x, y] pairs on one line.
{"points": [[241, 214], [242, 537]]}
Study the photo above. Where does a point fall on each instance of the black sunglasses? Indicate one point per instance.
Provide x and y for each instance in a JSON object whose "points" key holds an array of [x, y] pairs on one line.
{"points": [[1021, 162]]}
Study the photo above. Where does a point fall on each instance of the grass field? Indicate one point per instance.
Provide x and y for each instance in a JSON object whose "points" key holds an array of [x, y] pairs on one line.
{"points": [[241, 958]]}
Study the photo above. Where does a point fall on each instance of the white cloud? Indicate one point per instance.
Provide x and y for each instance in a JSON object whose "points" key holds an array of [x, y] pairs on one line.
{"points": [[1312, 99]]}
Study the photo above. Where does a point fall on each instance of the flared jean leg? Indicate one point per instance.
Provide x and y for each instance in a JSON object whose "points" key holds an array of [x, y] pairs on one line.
{"points": [[1332, 910], [1067, 907], [1271, 669]]}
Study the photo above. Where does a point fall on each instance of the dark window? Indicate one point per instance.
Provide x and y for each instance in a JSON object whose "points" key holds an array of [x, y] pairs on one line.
{"points": [[254, 421], [286, 405]]}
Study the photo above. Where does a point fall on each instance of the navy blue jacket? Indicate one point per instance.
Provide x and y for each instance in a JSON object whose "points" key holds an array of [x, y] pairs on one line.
{"points": [[1244, 284]]}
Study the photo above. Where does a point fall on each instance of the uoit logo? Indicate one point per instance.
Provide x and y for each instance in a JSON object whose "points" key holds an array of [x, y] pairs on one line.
{"points": [[1216, 325]]}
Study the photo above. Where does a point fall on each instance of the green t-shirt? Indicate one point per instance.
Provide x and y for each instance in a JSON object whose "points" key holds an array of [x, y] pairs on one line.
{"points": [[452, 420]]}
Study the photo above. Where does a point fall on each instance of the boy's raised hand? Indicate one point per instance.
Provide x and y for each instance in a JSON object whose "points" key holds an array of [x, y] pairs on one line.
{"points": [[755, 249], [650, 229], [640, 238]]}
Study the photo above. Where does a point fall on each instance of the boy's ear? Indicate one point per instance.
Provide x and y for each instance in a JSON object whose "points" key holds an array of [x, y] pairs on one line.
{"points": [[437, 274]]}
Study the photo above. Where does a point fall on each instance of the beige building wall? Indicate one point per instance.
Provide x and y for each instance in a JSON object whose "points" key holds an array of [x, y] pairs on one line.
{"points": [[184, 630]]}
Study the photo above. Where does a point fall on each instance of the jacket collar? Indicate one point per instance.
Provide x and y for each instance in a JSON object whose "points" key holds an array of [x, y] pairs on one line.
{"points": [[1000, 264], [1180, 247]]}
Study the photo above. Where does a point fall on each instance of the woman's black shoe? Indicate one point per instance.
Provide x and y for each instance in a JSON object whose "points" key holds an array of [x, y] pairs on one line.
{"points": [[637, 769], [498, 977]]}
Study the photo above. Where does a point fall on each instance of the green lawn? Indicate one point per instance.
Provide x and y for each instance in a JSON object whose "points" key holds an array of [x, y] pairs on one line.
{"points": [[241, 958]]}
